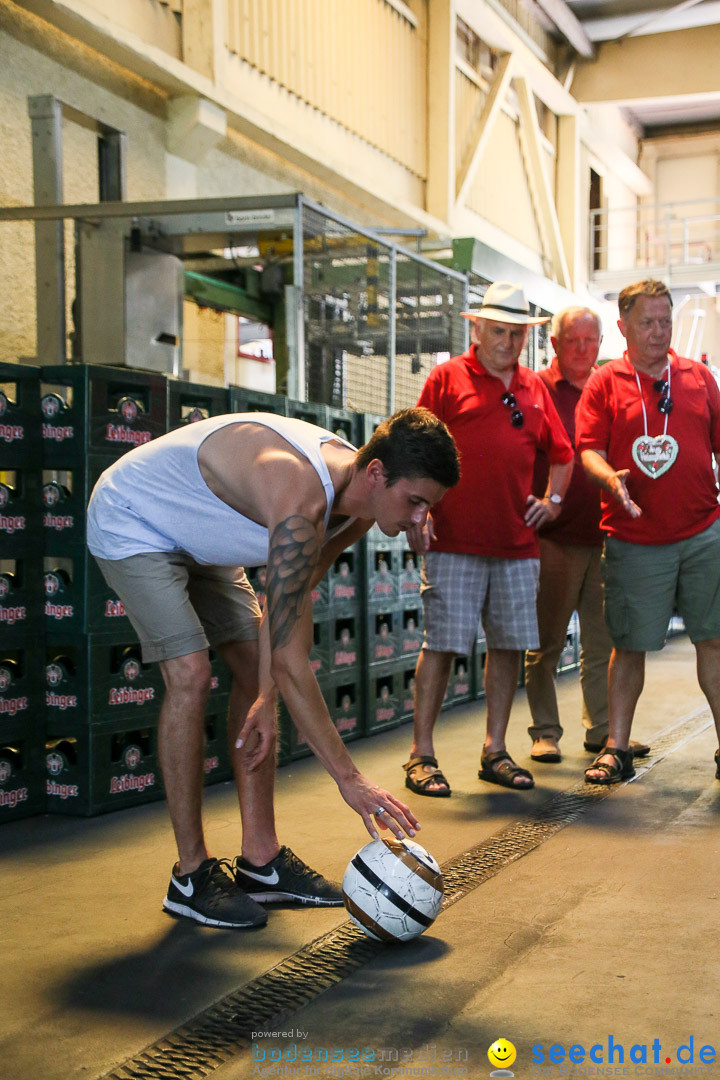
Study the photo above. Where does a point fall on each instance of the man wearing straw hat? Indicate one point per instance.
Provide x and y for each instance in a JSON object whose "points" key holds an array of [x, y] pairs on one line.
{"points": [[483, 561]]}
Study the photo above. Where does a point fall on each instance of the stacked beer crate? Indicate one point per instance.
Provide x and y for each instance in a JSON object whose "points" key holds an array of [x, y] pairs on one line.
{"points": [[101, 701], [21, 614]]}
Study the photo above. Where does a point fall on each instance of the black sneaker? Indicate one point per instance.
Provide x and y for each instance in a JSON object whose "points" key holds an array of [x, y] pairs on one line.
{"points": [[286, 878], [210, 896]]}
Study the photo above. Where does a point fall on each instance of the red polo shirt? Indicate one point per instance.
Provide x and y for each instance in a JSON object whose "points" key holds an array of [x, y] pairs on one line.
{"points": [[579, 519], [682, 501], [484, 514]]}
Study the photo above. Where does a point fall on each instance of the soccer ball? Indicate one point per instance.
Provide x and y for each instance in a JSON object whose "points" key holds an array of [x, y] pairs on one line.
{"points": [[393, 889]]}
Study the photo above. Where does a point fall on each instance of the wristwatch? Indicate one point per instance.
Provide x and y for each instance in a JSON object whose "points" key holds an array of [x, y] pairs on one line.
{"points": [[554, 498]]}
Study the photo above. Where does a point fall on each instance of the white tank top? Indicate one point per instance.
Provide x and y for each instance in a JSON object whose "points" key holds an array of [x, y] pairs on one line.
{"points": [[154, 498]]}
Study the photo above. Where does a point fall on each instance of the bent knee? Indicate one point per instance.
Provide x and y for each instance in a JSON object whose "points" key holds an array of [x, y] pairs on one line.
{"points": [[188, 676]]}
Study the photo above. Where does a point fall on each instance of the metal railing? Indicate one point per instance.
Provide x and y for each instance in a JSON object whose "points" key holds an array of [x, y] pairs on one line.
{"points": [[678, 242]]}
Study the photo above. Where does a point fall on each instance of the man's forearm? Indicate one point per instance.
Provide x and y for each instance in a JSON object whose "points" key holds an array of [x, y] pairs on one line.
{"points": [[559, 478], [597, 468], [306, 705]]}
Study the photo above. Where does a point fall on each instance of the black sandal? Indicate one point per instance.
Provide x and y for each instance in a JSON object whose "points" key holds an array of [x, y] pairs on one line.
{"points": [[420, 787], [499, 768], [717, 764], [621, 769], [638, 749]]}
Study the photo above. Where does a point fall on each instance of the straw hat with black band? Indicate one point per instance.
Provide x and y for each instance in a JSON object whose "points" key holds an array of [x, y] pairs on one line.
{"points": [[505, 302]]}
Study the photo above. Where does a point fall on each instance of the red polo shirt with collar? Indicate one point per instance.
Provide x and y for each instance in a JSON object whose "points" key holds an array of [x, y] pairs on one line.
{"points": [[682, 501], [579, 519], [484, 514]]}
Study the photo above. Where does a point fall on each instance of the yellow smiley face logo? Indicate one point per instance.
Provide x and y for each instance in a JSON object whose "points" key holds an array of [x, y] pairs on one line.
{"points": [[502, 1053]]}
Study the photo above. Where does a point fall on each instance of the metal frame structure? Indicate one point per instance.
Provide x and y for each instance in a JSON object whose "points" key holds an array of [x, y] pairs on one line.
{"points": [[186, 226]]}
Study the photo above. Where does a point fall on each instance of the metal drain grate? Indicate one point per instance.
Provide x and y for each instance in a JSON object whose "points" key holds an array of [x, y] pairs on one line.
{"points": [[204, 1043]]}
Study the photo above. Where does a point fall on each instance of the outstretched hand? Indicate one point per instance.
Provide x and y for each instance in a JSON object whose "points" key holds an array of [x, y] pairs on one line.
{"points": [[617, 486], [367, 799]]}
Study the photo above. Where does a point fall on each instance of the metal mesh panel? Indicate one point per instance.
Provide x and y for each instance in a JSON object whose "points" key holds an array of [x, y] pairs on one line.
{"points": [[428, 327], [346, 307]]}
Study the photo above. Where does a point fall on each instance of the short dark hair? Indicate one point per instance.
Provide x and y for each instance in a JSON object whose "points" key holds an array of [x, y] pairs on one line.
{"points": [[649, 287], [412, 444]]}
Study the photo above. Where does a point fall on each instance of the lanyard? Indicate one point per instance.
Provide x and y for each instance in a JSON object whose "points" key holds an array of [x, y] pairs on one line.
{"points": [[642, 399]]}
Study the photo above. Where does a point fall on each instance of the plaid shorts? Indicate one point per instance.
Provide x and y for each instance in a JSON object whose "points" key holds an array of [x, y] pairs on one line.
{"points": [[461, 593]]}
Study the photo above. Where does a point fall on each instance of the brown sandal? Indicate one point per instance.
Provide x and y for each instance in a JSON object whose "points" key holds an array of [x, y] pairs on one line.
{"points": [[621, 769], [499, 768], [420, 786]]}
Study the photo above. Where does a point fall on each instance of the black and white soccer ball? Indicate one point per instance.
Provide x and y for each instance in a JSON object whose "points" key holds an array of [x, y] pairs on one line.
{"points": [[393, 889]]}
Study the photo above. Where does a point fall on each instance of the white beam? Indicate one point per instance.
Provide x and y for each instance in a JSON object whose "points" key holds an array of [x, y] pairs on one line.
{"points": [[663, 20], [485, 123], [569, 26], [550, 226]]}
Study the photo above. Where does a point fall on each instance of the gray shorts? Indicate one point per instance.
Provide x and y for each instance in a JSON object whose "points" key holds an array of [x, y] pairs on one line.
{"points": [[646, 583], [461, 591], [178, 606]]}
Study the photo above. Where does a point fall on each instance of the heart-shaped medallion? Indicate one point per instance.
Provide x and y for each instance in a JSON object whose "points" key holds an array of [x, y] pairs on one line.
{"points": [[654, 455]]}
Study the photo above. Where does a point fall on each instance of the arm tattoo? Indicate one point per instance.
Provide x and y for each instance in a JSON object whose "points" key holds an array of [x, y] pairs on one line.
{"points": [[292, 558]]}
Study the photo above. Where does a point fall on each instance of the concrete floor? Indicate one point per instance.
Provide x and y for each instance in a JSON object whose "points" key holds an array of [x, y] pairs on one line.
{"points": [[608, 929]]}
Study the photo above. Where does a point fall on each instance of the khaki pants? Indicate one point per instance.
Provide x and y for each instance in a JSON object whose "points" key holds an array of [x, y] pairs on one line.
{"points": [[569, 581]]}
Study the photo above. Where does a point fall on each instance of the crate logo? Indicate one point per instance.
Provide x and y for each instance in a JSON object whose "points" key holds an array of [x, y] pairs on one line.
{"points": [[51, 494], [50, 405], [58, 522], [130, 669], [127, 695], [5, 770], [5, 679], [4, 403], [11, 706], [11, 523], [132, 757], [4, 495], [4, 586], [211, 763], [129, 409], [344, 656], [54, 674], [52, 584], [119, 785], [114, 609], [55, 763]]}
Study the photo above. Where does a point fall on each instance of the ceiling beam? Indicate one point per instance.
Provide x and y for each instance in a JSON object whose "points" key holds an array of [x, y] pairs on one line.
{"points": [[660, 20], [569, 26]]}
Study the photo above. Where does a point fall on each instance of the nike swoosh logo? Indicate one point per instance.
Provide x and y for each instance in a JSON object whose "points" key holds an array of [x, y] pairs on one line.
{"points": [[267, 879], [186, 890]]}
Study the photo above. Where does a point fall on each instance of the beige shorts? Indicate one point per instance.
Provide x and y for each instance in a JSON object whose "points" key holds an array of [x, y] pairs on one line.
{"points": [[178, 606]]}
